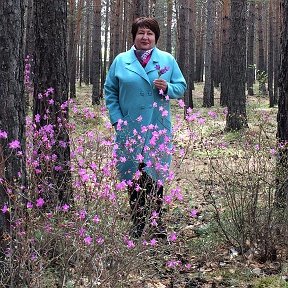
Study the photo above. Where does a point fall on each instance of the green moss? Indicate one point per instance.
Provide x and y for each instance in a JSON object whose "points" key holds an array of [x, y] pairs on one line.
{"points": [[270, 282]]}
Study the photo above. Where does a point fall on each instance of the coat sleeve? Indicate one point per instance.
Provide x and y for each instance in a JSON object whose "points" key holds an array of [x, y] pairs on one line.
{"points": [[111, 90], [177, 84]]}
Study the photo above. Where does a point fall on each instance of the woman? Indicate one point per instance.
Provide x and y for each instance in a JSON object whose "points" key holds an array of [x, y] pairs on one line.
{"points": [[138, 87]]}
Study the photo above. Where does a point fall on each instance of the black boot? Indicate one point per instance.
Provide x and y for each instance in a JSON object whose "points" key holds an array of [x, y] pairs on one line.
{"points": [[138, 213], [158, 231], [144, 202]]}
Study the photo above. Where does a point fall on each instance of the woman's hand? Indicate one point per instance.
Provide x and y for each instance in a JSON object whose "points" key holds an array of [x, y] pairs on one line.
{"points": [[160, 84]]}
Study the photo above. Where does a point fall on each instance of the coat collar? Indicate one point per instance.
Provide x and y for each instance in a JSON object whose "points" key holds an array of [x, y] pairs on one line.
{"points": [[134, 65]]}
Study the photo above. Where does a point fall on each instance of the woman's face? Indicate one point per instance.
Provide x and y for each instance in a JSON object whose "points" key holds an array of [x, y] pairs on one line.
{"points": [[145, 39]]}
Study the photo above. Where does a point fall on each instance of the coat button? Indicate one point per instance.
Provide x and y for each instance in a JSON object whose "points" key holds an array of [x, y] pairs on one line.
{"points": [[142, 107], [142, 93]]}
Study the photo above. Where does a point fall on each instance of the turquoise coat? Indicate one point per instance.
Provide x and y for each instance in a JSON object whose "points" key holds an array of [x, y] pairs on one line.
{"points": [[145, 134]]}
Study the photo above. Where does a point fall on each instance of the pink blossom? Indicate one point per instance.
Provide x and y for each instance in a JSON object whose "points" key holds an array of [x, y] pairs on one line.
{"points": [[65, 207], [3, 134], [153, 242], [181, 103], [154, 223], [40, 202], [165, 113], [121, 186], [96, 219], [88, 240], [173, 263], [201, 121], [82, 214], [172, 237], [122, 159], [188, 266], [15, 144], [50, 90], [168, 199], [82, 231], [194, 213], [140, 158], [161, 92], [58, 168], [100, 240], [4, 209], [212, 114], [29, 205], [272, 151], [93, 166], [130, 244]]}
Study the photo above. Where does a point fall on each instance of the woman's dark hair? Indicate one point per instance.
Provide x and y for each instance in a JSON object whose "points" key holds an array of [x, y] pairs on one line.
{"points": [[146, 22]]}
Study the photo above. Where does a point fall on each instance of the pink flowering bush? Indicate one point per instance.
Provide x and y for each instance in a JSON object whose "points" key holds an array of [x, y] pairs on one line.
{"points": [[87, 239], [86, 242]]}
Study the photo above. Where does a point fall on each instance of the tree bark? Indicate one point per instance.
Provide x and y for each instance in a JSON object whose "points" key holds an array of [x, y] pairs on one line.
{"points": [[276, 65], [224, 94], [282, 117], [169, 26], [261, 69], [208, 95], [236, 118], [199, 68], [87, 56], [250, 49], [272, 101], [51, 72], [12, 108], [96, 52]]}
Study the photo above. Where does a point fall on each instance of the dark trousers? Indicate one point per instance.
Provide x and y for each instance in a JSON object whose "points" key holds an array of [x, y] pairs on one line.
{"points": [[143, 201]]}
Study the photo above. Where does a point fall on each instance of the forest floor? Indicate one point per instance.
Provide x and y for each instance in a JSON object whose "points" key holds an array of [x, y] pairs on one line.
{"points": [[213, 262]]}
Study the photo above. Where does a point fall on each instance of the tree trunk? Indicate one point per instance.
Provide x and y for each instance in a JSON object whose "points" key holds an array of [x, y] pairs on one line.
{"points": [[105, 45], [12, 109], [200, 43], [29, 33], [236, 117], [191, 53], [51, 73], [96, 52], [272, 101], [169, 26], [224, 94], [87, 58], [208, 95], [142, 8], [117, 27], [71, 47], [112, 31], [81, 56], [74, 28], [250, 49], [216, 54], [282, 117], [276, 65], [261, 69], [160, 15], [184, 45]]}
